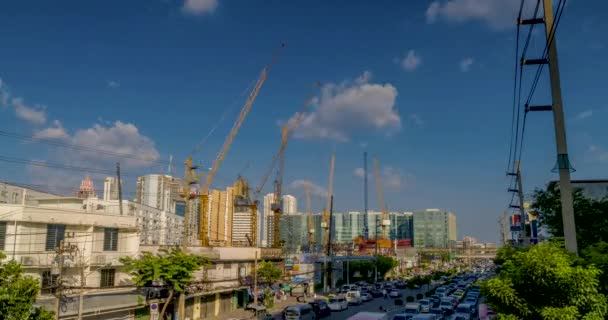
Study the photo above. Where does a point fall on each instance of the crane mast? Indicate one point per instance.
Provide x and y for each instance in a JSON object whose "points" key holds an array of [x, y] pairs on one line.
{"points": [[382, 205], [310, 222], [326, 219]]}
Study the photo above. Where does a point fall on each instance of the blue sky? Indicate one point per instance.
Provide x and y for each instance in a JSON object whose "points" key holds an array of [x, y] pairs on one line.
{"points": [[426, 86]]}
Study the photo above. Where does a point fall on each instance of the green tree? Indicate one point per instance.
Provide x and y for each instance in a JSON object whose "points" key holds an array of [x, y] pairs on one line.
{"points": [[173, 268], [544, 282], [385, 264], [18, 294], [591, 216], [597, 255], [268, 273]]}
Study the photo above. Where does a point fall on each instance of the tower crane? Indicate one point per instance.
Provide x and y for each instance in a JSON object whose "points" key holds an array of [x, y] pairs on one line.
{"points": [[310, 222], [386, 222], [204, 190], [326, 224]]}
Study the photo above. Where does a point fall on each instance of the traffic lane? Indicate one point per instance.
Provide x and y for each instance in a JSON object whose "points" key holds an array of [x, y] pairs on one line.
{"points": [[373, 305]]}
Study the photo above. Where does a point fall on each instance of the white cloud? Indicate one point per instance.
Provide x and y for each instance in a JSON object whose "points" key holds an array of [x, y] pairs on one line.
{"points": [[199, 7], [315, 189], [597, 153], [466, 63], [113, 84], [584, 115], [351, 106], [498, 14], [411, 61], [57, 131], [35, 115], [392, 178]]}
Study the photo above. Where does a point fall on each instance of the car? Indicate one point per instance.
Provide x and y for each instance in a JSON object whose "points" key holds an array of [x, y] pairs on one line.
{"points": [[376, 293], [320, 307], [465, 310], [394, 293], [471, 300], [354, 297], [338, 303], [425, 305], [412, 308], [437, 311], [446, 304], [366, 297], [426, 316], [302, 311]]}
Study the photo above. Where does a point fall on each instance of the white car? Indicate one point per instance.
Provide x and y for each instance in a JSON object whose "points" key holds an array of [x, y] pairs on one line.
{"points": [[338, 304], [366, 297], [395, 293]]}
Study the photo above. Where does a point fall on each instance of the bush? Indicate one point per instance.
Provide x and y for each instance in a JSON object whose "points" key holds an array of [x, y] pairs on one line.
{"points": [[419, 296], [410, 299], [428, 294]]}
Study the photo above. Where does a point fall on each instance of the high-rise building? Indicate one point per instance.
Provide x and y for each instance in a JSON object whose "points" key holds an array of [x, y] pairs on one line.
{"points": [[434, 228], [402, 226], [158, 191], [290, 204], [221, 209], [264, 227], [110, 188], [293, 232]]}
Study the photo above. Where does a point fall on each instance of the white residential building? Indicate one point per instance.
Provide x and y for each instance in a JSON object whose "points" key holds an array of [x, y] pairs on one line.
{"points": [[110, 188], [290, 204], [158, 191], [264, 219], [94, 237]]}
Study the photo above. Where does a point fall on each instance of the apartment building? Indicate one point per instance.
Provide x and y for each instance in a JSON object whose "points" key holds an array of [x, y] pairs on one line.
{"points": [[94, 237]]}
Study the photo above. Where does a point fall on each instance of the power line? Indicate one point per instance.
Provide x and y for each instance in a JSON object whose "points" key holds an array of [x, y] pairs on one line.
{"points": [[62, 144]]}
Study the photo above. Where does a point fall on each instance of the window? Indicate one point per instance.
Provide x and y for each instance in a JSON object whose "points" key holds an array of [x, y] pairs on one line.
{"points": [[110, 239], [2, 235], [48, 282], [54, 234], [107, 278]]}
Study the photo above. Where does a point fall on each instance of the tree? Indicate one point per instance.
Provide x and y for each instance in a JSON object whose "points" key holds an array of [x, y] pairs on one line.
{"points": [[597, 255], [385, 264], [18, 293], [173, 268], [591, 215], [268, 272], [544, 282]]}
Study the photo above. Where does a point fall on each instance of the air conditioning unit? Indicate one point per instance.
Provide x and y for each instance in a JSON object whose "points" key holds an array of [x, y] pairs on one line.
{"points": [[27, 261], [100, 259]]}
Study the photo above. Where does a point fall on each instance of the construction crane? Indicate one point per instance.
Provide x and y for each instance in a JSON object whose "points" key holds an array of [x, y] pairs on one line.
{"points": [[386, 222], [326, 224], [204, 190], [310, 222]]}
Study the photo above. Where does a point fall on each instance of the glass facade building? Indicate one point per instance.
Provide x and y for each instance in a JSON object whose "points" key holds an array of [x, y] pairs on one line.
{"points": [[434, 228]]}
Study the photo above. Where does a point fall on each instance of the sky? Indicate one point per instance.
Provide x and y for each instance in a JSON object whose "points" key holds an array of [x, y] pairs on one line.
{"points": [[424, 86]]}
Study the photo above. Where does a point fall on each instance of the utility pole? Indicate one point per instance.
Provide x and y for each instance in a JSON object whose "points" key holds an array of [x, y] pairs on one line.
{"points": [[328, 250], [82, 283], [563, 163], [255, 278], [119, 187], [520, 193], [59, 284]]}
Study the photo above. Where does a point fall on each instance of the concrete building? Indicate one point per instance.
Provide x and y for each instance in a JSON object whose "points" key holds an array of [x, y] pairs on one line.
{"points": [[434, 228], [293, 232], [241, 228], [594, 189], [14, 194], [158, 191], [87, 189], [110, 188], [402, 226], [289, 204], [265, 220], [221, 209], [94, 237]]}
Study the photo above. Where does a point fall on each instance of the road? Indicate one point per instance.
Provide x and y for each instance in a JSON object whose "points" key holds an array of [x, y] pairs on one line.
{"points": [[373, 305]]}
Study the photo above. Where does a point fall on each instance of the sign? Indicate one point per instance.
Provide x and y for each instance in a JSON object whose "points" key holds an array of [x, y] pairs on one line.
{"points": [[154, 308]]}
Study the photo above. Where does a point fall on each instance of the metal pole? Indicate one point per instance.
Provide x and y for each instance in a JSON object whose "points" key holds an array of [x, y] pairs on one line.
{"points": [[81, 294], [563, 163], [255, 278], [331, 213], [59, 280], [347, 272], [119, 187], [520, 192]]}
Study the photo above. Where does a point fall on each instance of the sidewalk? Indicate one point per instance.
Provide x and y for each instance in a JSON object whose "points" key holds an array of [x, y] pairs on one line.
{"points": [[242, 314]]}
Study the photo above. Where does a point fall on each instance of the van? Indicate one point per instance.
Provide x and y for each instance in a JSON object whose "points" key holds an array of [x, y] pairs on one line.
{"points": [[299, 312], [354, 297]]}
